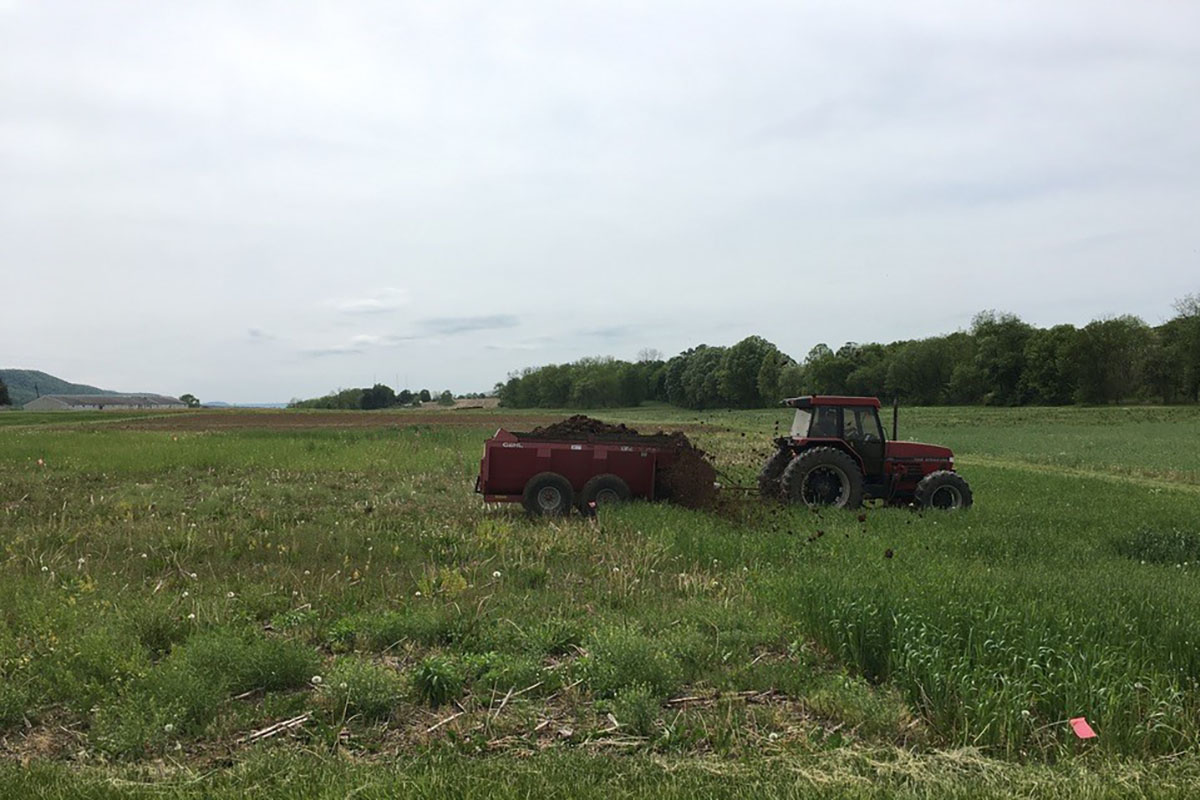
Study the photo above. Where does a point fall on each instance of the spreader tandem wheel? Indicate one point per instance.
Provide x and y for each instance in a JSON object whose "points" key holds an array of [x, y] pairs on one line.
{"points": [[548, 494], [603, 490], [823, 476]]}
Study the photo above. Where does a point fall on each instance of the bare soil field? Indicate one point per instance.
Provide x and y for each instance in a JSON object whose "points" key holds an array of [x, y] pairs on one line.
{"points": [[301, 420]]}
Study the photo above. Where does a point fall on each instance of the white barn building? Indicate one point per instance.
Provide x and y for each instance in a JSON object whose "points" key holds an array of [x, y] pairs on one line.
{"points": [[102, 402]]}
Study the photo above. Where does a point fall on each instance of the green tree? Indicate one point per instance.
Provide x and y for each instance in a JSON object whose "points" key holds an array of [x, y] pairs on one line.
{"points": [[378, 396], [826, 370], [740, 368], [967, 384], [340, 399], [1050, 375], [868, 375], [552, 386], [1000, 355], [770, 374], [1182, 342], [920, 371], [1109, 354], [673, 380], [5, 400], [190, 400], [424, 396], [792, 381], [446, 398], [702, 378], [404, 397]]}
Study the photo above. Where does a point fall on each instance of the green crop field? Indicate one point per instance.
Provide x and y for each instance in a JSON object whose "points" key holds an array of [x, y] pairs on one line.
{"points": [[293, 607]]}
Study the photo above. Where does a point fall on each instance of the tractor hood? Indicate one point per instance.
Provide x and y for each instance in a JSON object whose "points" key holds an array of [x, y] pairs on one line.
{"points": [[917, 450]]}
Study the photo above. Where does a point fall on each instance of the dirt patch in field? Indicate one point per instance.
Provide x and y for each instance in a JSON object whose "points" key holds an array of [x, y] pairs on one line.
{"points": [[302, 420]]}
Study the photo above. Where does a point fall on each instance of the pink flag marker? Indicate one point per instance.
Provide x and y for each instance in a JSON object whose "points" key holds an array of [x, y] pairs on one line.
{"points": [[1082, 729]]}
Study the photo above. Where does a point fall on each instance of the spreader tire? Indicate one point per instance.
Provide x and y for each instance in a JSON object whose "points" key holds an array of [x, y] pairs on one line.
{"points": [[823, 476], [548, 494], [772, 471], [943, 491], [603, 490]]}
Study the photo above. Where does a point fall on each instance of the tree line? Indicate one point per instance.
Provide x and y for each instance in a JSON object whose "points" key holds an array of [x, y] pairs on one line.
{"points": [[1000, 360], [378, 396]]}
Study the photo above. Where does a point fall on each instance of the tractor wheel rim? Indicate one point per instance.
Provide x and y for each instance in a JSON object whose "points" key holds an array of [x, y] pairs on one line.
{"points": [[826, 485], [607, 496], [549, 498], [946, 497]]}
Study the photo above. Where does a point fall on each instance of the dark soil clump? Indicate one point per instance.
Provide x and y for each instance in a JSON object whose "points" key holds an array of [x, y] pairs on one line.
{"points": [[690, 480], [581, 426]]}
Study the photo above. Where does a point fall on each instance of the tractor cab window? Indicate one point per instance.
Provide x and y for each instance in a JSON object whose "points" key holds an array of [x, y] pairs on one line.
{"points": [[800, 423], [825, 423], [850, 420], [862, 425]]}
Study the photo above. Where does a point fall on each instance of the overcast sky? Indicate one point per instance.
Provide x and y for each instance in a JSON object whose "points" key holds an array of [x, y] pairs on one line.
{"points": [[252, 201]]}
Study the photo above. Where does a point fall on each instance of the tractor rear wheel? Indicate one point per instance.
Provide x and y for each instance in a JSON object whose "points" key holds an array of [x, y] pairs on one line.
{"points": [[603, 490], [768, 477], [548, 494], [823, 476], [943, 491]]}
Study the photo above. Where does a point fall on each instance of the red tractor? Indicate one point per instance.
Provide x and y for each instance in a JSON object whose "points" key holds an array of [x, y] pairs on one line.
{"points": [[836, 455]]}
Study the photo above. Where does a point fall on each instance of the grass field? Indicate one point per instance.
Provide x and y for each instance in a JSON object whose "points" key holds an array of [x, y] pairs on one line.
{"points": [[173, 585]]}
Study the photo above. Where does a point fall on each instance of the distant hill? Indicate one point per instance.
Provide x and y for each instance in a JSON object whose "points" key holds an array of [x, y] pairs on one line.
{"points": [[21, 385]]}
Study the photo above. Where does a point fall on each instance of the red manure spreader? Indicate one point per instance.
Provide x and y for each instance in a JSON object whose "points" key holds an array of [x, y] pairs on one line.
{"points": [[582, 463]]}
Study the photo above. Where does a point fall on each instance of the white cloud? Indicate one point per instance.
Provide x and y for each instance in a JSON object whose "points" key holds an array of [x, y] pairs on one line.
{"points": [[379, 301]]}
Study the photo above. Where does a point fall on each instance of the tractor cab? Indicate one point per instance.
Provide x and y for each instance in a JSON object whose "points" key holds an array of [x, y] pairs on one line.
{"points": [[852, 422], [837, 454]]}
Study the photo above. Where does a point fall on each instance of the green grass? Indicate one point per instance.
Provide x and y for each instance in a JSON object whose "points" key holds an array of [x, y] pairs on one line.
{"points": [[165, 594]]}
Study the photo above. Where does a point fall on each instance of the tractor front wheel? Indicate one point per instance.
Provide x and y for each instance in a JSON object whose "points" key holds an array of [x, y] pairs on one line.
{"points": [[943, 491], [549, 495], [768, 477], [823, 476]]}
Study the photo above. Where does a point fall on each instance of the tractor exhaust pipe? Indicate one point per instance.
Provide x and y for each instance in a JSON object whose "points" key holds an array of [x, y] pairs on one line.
{"points": [[895, 418]]}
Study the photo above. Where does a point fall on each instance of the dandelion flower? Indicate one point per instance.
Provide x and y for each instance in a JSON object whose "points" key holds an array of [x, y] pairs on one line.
{"points": [[416, 594], [185, 594], [230, 595], [191, 616], [316, 680], [145, 556], [496, 574], [616, 569], [45, 568], [193, 576], [168, 727]]}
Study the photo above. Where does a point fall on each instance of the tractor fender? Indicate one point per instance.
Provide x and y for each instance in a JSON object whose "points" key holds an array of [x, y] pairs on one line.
{"points": [[808, 444]]}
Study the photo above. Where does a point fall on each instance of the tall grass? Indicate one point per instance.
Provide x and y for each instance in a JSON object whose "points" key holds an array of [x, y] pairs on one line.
{"points": [[151, 579]]}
